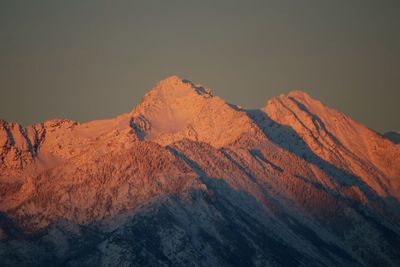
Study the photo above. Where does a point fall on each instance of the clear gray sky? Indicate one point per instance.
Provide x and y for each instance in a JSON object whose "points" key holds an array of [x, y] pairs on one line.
{"points": [[86, 60]]}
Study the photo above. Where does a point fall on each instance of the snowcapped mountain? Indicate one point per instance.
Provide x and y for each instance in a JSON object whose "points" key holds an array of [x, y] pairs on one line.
{"points": [[186, 179]]}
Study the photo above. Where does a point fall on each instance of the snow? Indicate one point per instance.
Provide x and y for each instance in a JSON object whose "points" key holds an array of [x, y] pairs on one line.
{"points": [[185, 178]]}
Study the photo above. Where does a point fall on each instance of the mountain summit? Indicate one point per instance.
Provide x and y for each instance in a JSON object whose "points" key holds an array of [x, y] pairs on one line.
{"points": [[188, 179], [177, 109]]}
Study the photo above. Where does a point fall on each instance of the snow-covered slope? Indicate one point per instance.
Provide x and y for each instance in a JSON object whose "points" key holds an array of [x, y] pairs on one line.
{"points": [[177, 109], [341, 141], [187, 179]]}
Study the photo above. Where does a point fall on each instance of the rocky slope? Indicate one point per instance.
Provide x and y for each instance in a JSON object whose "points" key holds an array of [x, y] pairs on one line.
{"points": [[186, 179]]}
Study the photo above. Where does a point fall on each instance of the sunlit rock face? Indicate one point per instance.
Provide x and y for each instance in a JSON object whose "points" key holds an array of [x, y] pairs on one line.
{"points": [[187, 179], [176, 109]]}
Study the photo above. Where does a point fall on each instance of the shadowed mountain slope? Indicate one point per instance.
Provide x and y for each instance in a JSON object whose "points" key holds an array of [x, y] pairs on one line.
{"points": [[393, 136]]}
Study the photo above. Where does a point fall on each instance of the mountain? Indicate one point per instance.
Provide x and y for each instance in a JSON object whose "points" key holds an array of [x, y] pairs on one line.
{"points": [[176, 109], [186, 179]]}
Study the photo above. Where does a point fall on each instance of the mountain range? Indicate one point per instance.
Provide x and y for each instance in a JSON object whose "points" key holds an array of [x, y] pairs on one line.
{"points": [[187, 179]]}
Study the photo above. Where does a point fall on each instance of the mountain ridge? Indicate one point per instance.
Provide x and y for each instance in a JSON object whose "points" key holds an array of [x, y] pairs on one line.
{"points": [[187, 178]]}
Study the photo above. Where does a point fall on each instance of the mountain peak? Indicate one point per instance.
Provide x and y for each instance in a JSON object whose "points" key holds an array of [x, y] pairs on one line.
{"points": [[178, 108], [176, 86], [171, 92], [171, 80], [299, 94]]}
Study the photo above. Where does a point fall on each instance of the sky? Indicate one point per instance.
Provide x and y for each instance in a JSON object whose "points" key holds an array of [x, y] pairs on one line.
{"points": [[87, 60]]}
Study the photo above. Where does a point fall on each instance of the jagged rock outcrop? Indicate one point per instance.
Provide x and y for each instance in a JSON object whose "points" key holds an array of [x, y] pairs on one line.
{"points": [[187, 179]]}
